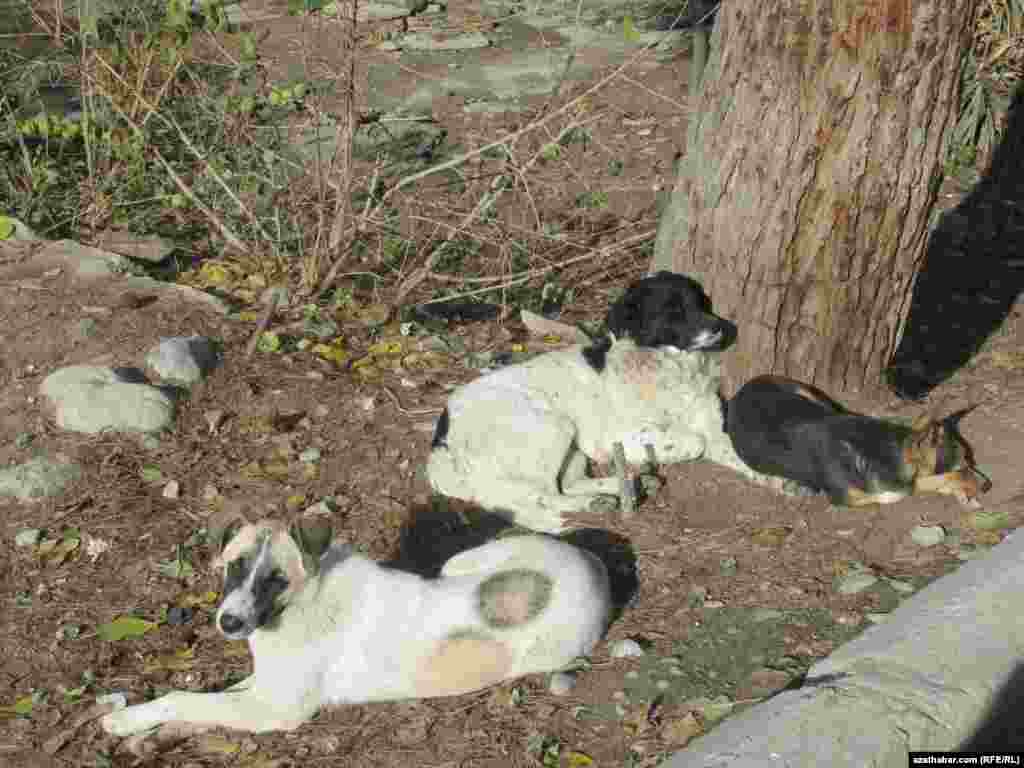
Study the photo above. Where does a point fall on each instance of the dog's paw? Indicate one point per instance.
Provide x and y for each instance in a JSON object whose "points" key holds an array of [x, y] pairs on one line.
{"points": [[603, 505]]}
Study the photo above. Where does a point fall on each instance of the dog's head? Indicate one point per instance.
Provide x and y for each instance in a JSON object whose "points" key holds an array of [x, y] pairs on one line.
{"points": [[942, 460], [265, 565], [669, 310]]}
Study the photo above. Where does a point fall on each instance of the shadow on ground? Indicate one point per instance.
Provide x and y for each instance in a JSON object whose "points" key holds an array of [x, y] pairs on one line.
{"points": [[972, 273], [442, 528], [1002, 730]]}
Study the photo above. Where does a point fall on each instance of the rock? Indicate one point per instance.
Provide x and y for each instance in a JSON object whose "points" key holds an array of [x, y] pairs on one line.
{"points": [[178, 290], [378, 10], [90, 399], [561, 683], [623, 649], [81, 260], [854, 582], [927, 535], [28, 537], [37, 478], [183, 360], [425, 41], [176, 615], [149, 248], [172, 490]]}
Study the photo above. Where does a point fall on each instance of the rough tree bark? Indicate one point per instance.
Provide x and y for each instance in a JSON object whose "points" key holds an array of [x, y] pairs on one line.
{"points": [[811, 166]]}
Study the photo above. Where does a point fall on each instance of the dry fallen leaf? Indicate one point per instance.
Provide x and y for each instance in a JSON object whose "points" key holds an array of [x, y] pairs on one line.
{"points": [[679, 732]]}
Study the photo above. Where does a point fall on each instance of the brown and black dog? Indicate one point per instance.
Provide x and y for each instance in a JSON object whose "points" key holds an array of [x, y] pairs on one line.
{"points": [[783, 427]]}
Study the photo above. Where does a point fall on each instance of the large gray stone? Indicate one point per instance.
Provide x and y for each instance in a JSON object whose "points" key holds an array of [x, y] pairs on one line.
{"points": [[91, 399], [83, 261], [37, 478], [183, 360], [923, 680]]}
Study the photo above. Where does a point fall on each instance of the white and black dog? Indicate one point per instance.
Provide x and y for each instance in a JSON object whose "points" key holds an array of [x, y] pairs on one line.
{"points": [[328, 626], [517, 441]]}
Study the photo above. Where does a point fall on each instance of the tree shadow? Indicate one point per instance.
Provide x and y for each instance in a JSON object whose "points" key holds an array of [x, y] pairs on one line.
{"points": [[972, 273], [1002, 729]]}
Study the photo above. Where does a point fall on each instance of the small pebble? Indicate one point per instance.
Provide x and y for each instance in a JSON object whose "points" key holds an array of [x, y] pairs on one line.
{"points": [[28, 537], [310, 456], [927, 535], [177, 616], [623, 649], [561, 683], [172, 490]]}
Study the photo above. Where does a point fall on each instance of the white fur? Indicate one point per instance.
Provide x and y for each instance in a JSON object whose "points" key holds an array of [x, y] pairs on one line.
{"points": [[359, 632], [519, 438]]}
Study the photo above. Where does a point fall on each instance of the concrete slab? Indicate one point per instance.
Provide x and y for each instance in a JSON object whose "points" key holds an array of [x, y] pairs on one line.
{"points": [[926, 679]]}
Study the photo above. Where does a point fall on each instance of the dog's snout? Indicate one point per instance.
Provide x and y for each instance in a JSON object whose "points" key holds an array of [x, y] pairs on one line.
{"points": [[231, 625]]}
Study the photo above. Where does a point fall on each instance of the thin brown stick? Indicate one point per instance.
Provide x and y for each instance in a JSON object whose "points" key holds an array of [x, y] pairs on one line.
{"points": [[178, 181], [529, 274]]}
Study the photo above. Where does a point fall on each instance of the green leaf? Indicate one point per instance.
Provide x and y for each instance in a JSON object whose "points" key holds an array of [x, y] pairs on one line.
{"points": [[124, 627], [629, 30], [269, 342], [6, 227], [248, 47], [22, 707]]}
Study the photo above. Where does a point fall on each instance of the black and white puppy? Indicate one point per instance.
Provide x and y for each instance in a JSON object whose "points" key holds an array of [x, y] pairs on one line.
{"points": [[327, 626], [517, 441]]}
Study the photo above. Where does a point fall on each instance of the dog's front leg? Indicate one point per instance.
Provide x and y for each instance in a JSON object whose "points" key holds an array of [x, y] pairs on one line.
{"points": [[237, 708], [669, 448]]}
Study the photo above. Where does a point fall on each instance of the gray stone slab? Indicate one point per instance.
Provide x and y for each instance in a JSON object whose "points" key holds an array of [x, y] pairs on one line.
{"points": [[923, 680]]}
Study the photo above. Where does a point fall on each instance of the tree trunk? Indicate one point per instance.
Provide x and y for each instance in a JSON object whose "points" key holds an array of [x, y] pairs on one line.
{"points": [[812, 163]]}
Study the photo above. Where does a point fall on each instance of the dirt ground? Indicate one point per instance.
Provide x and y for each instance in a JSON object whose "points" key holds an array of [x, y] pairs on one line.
{"points": [[736, 585]]}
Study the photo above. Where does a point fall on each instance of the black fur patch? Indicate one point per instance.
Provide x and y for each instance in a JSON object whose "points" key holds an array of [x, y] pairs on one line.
{"points": [[596, 354], [237, 572], [267, 586], [667, 309], [514, 597], [440, 439]]}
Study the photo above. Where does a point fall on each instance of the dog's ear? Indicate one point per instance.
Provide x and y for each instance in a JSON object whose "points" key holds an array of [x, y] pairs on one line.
{"points": [[312, 535], [222, 527], [621, 320]]}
